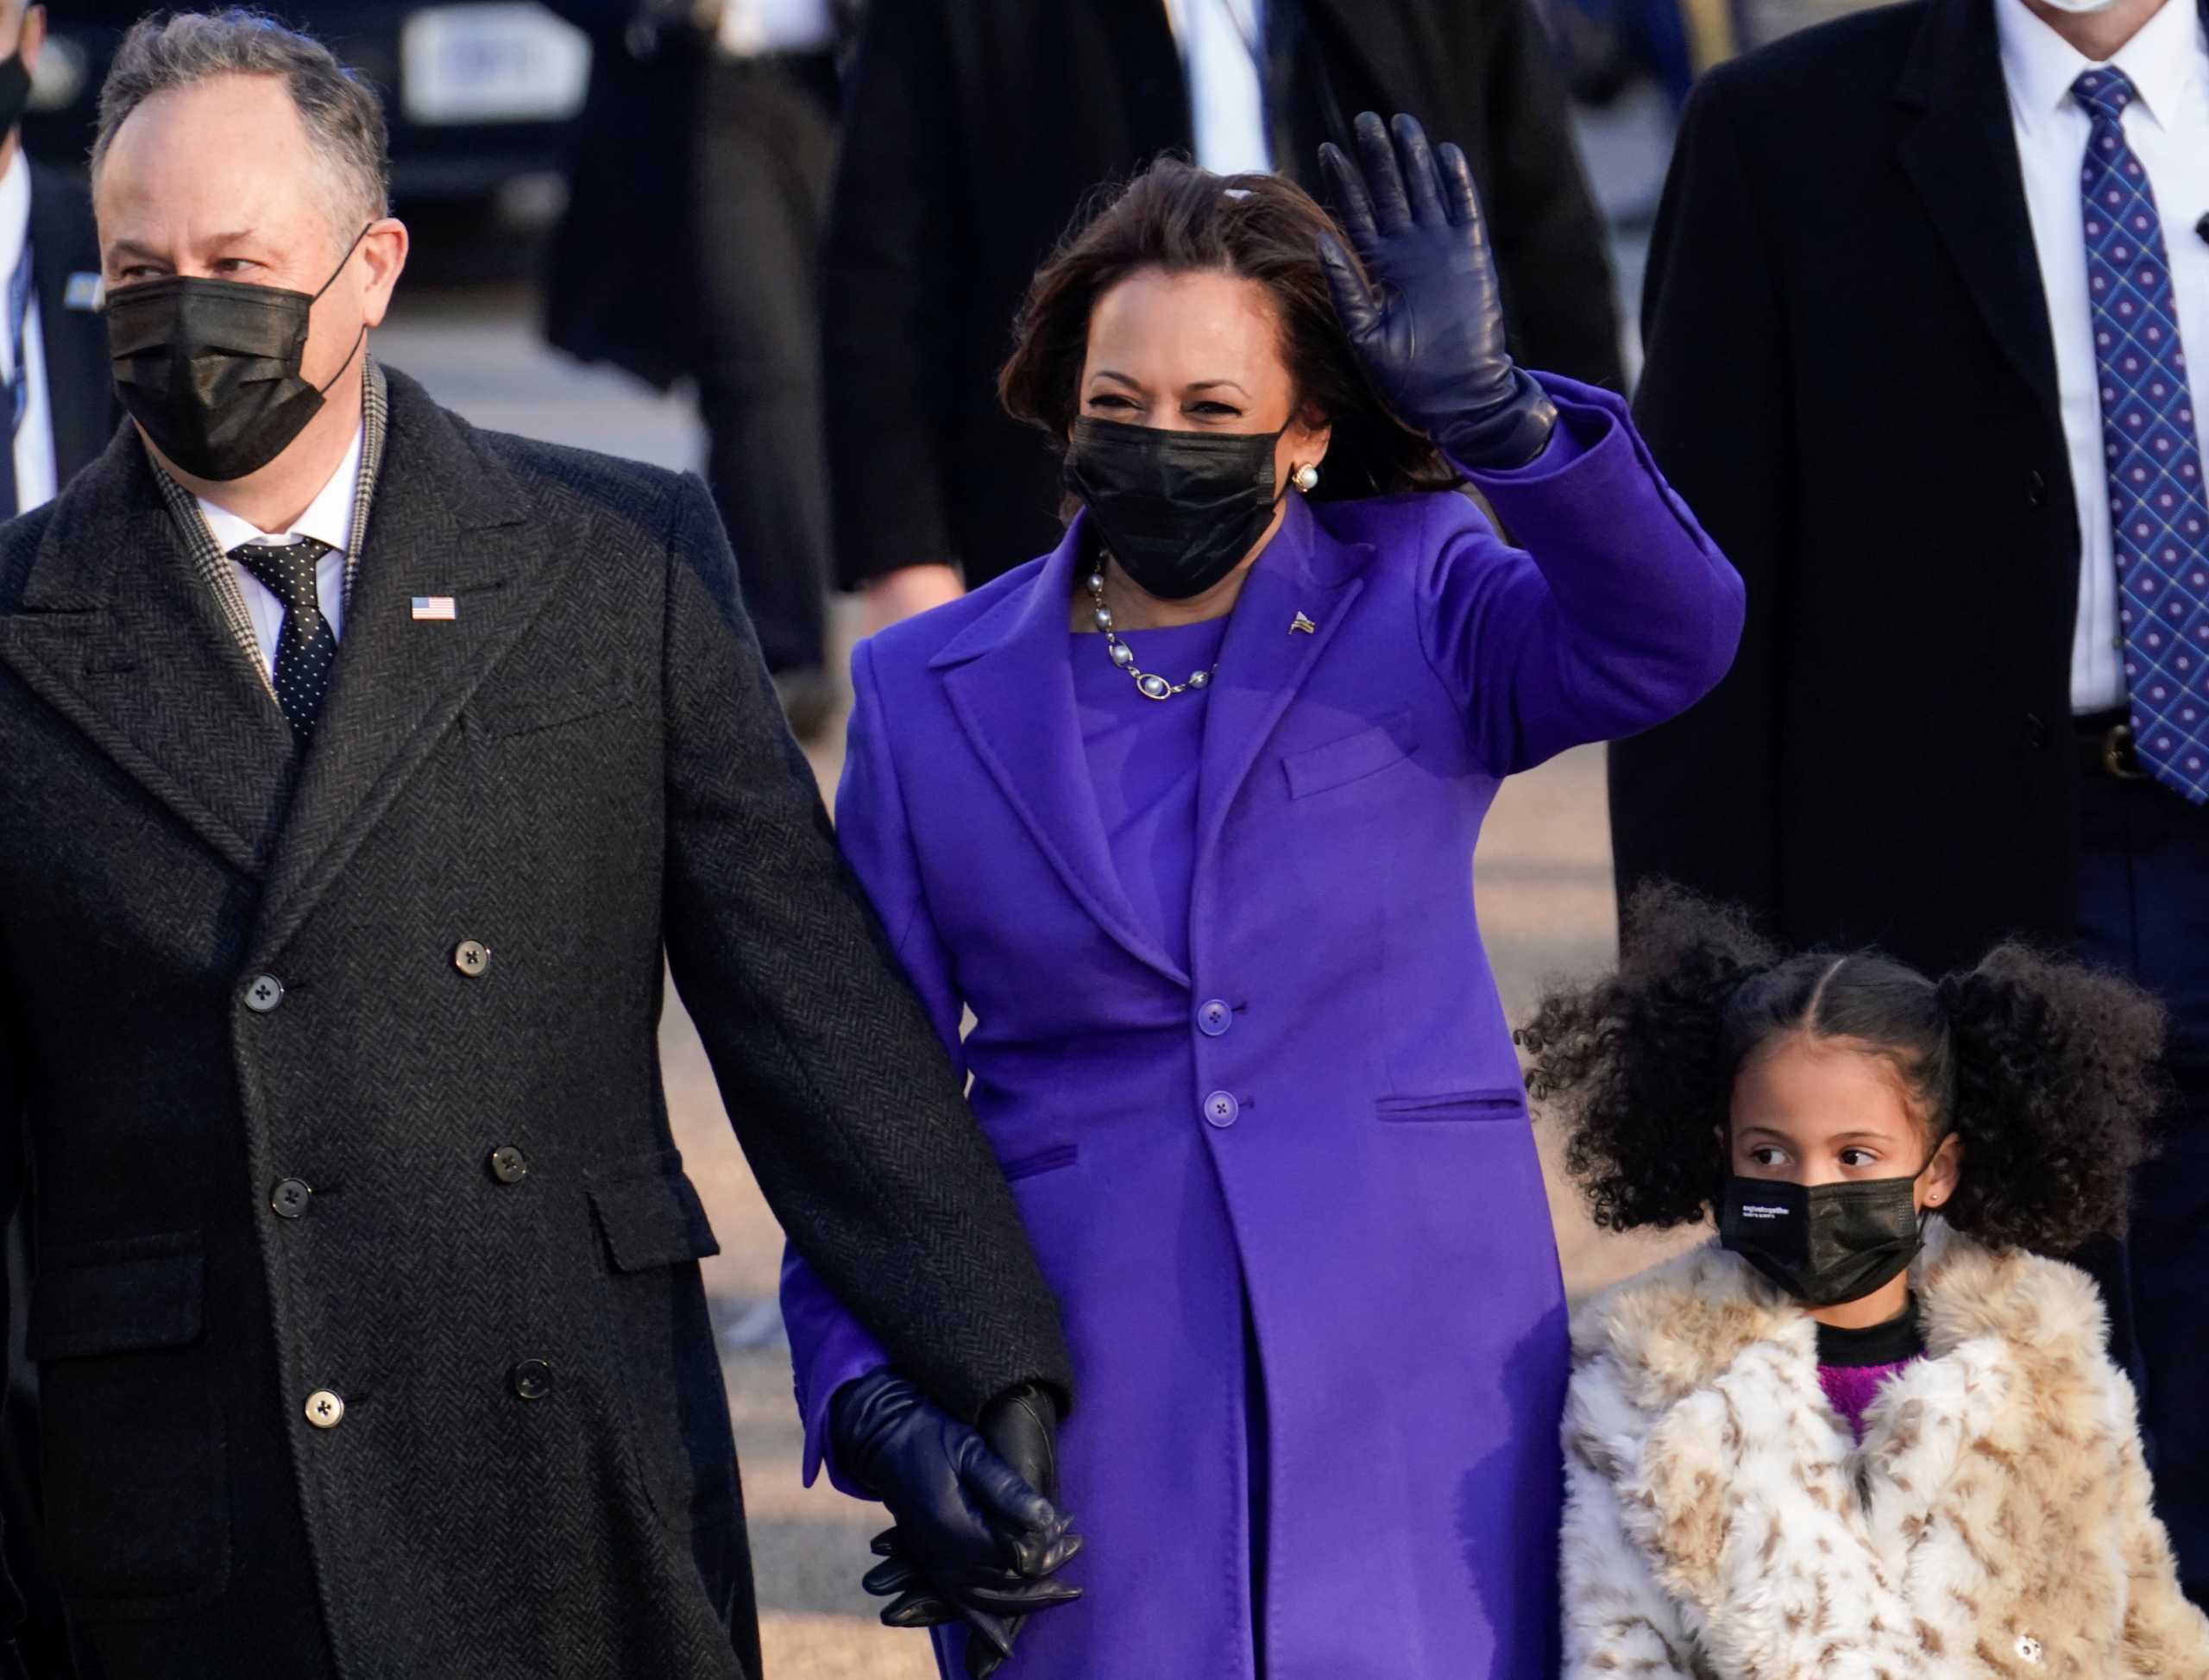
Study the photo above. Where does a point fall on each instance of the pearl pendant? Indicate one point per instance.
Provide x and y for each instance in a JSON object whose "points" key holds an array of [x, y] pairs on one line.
{"points": [[1103, 617], [1157, 688], [1200, 679], [1122, 655]]}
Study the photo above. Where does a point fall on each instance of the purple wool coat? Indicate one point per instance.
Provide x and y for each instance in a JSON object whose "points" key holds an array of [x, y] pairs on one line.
{"points": [[1321, 1122]]}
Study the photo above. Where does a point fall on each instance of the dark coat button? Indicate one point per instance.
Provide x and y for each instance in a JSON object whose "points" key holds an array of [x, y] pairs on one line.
{"points": [[2037, 489], [471, 957], [532, 1379], [290, 1198], [509, 1165], [2035, 731], [264, 994]]}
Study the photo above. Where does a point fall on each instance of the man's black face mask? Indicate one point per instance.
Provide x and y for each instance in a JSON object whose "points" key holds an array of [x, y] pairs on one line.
{"points": [[210, 367]]}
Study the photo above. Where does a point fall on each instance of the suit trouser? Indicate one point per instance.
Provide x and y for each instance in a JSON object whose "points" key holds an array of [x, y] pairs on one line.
{"points": [[2143, 909], [767, 145]]}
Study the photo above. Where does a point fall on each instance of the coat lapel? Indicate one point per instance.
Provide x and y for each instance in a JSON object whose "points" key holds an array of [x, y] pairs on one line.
{"points": [[118, 633], [1011, 686], [1303, 574], [446, 520], [1960, 152]]}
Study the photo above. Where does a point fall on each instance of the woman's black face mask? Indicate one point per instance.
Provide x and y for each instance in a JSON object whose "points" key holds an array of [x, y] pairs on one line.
{"points": [[1177, 509], [1825, 1244], [210, 367]]}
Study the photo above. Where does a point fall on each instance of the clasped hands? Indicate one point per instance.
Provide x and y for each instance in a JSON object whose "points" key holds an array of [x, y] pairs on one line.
{"points": [[978, 1536]]}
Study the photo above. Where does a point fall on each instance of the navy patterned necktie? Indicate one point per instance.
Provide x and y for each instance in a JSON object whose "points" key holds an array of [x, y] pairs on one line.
{"points": [[2158, 514], [307, 648]]}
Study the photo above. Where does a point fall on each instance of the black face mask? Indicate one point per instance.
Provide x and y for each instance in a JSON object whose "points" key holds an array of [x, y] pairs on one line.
{"points": [[210, 367], [15, 91], [1824, 1243], [1176, 509]]}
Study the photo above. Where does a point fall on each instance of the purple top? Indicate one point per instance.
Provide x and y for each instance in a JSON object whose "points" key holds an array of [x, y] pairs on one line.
{"points": [[1142, 762], [1854, 1365]]}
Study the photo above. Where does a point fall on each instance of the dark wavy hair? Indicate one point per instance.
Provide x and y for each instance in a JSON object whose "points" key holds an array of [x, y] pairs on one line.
{"points": [[1182, 219], [2047, 1072]]}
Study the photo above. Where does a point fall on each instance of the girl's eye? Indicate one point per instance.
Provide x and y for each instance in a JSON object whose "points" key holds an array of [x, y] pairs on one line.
{"points": [[1854, 1159], [1768, 1154]]}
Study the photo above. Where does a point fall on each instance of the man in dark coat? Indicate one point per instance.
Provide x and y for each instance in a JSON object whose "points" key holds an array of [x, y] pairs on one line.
{"points": [[1874, 339], [338, 862], [975, 129]]}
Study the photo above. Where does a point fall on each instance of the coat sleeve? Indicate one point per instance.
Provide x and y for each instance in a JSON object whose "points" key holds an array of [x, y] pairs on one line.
{"points": [[1550, 251], [1616, 613], [1695, 801], [2165, 1632], [891, 309], [852, 1120], [829, 1347], [1618, 1621]]}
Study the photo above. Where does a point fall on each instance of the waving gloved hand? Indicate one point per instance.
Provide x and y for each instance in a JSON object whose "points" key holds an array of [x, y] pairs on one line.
{"points": [[1428, 323], [975, 1538]]}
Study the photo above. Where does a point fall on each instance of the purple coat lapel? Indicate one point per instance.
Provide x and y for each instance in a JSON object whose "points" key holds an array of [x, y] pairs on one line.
{"points": [[1011, 688]]}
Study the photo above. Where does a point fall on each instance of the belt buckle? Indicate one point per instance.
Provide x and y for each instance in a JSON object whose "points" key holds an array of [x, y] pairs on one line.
{"points": [[2118, 756]]}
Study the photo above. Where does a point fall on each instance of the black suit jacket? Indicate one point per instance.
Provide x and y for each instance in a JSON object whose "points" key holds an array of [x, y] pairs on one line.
{"points": [[975, 129], [79, 382], [584, 771], [1851, 379]]}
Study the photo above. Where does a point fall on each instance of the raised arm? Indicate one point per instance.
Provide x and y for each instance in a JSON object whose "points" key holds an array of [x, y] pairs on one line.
{"points": [[852, 1120], [1617, 612], [1695, 801]]}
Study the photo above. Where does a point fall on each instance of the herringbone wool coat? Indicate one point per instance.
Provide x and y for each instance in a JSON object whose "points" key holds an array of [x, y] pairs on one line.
{"points": [[1721, 1523], [435, 1187]]}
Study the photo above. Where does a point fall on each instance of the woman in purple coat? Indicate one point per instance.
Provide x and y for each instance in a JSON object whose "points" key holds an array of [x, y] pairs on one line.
{"points": [[1183, 812]]}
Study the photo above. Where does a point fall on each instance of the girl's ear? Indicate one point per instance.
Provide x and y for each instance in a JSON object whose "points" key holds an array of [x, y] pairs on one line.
{"points": [[1938, 1187]]}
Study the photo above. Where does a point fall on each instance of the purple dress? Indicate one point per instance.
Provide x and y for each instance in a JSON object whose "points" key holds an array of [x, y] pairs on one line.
{"points": [[1274, 1158]]}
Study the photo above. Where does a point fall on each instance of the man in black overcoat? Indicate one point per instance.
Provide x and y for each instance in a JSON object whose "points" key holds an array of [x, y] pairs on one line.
{"points": [[362, 770], [974, 130], [1871, 325]]}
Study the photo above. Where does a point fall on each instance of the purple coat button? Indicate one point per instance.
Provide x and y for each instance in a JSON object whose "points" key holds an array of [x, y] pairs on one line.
{"points": [[1214, 1018], [1222, 1110]]}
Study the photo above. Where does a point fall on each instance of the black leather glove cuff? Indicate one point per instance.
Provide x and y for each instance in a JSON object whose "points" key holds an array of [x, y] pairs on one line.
{"points": [[1512, 433]]}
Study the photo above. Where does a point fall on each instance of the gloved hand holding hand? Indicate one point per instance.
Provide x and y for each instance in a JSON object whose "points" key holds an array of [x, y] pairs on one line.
{"points": [[1426, 314], [975, 1538]]}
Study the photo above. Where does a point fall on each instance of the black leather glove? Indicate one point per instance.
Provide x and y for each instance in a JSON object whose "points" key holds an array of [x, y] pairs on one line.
{"points": [[975, 1539], [1428, 323]]}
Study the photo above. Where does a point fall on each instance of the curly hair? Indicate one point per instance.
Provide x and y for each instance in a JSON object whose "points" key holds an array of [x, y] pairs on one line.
{"points": [[2046, 1071]]}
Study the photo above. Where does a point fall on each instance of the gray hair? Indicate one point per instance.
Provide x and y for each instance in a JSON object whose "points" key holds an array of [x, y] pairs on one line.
{"points": [[341, 112]]}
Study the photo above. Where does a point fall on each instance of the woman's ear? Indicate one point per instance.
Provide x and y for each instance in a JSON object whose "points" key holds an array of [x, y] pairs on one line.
{"points": [[1942, 1173]]}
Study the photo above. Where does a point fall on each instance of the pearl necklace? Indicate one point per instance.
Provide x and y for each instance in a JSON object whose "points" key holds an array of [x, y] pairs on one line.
{"points": [[1149, 683]]}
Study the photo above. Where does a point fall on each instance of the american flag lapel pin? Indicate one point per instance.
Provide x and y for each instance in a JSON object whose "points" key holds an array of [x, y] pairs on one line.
{"points": [[435, 609], [1301, 625]]}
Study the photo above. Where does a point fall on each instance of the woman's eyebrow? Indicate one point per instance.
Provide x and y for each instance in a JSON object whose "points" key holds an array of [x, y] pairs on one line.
{"points": [[1108, 373], [1212, 384]]}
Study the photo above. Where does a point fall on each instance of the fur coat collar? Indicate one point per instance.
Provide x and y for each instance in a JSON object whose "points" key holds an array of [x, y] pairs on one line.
{"points": [[1724, 1524]]}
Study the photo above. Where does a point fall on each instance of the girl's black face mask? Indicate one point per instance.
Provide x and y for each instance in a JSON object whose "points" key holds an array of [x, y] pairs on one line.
{"points": [[210, 367], [1824, 1244], [1177, 509]]}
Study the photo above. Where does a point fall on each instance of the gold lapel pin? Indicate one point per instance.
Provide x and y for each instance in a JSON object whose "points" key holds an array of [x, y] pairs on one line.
{"points": [[1300, 622]]}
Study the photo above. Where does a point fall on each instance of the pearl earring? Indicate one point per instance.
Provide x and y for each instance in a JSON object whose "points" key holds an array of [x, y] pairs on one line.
{"points": [[1308, 479]]}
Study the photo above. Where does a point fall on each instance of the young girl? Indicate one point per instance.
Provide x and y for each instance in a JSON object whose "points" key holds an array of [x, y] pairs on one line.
{"points": [[1873, 1431]]}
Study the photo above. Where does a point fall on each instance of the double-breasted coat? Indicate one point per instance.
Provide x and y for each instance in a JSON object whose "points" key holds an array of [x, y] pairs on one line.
{"points": [[367, 1312], [1288, 1195]]}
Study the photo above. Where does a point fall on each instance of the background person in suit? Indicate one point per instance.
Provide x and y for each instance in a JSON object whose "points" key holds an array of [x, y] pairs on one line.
{"points": [[691, 249], [1921, 376], [974, 129], [363, 769], [1181, 811]]}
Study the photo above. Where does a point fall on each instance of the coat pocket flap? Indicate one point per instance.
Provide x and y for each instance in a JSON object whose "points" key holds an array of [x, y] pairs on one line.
{"points": [[159, 1302], [653, 1222], [1319, 768], [1508, 1104]]}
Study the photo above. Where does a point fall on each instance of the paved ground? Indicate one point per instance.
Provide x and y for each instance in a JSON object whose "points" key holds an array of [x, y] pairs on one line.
{"points": [[1542, 881]]}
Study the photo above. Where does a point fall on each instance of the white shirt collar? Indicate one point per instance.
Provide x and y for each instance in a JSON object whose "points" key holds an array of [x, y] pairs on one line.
{"points": [[329, 518], [2160, 61], [14, 213]]}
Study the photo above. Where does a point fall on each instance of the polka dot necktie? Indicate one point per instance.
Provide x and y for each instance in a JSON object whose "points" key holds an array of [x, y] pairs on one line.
{"points": [[305, 648], [2158, 513]]}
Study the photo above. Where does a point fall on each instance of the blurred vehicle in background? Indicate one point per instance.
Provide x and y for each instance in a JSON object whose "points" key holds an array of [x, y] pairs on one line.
{"points": [[479, 95]]}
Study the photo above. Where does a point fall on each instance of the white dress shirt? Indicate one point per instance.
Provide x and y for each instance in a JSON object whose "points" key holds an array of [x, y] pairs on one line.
{"points": [[35, 438], [1222, 51], [328, 518], [2167, 129], [749, 28]]}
